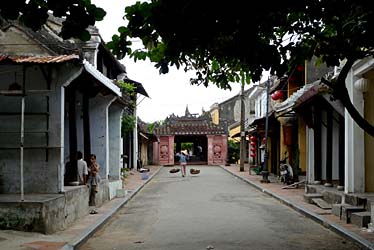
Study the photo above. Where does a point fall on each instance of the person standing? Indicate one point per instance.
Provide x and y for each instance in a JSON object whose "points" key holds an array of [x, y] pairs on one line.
{"points": [[200, 152], [82, 169], [183, 162], [262, 159], [93, 179]]}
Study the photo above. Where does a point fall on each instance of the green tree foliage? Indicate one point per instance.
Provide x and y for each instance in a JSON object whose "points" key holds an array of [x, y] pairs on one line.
{"points": [[187, 146], [227, 42], [233, 151], [152, 126], [78, 14], [128, 88], [128, 124]]}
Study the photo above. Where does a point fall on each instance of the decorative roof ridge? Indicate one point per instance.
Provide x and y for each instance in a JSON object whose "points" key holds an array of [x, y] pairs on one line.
{"points": [[315, 87]]}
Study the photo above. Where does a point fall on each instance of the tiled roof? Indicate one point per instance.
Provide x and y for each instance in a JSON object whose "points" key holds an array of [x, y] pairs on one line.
{"points": [[190, 127], [39, 59], [301, 96]]}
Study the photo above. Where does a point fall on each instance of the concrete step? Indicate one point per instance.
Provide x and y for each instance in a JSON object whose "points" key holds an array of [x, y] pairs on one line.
{"points": [[356, 200], [348, 210], [344, 211], [309, 196], [330, 194], [321, 203], [337, 209], [360, 219]]}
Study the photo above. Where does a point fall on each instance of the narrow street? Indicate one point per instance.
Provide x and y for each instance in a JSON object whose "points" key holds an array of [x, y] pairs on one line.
{"points": [[212, 210]]}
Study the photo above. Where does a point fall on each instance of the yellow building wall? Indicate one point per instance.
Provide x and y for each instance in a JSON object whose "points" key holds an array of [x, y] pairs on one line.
{"points": [[302, 145], [283, 148], [215, 116], [369, 141], [143, 154], [234, 131], [270, 142]]}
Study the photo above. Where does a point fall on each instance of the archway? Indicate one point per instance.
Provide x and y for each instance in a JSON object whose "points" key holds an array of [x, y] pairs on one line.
{"points": [[197, 145]]}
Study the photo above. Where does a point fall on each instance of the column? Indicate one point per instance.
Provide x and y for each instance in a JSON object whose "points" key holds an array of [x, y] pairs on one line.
{"points": [[354, 143]]}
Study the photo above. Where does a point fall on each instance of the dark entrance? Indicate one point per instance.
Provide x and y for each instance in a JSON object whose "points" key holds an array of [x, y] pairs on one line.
{"points": [[197, 145]]}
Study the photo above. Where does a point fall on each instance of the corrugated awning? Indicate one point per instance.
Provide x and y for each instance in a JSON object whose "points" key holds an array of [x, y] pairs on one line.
{"points": [[143, 135], [101, 78], [261, 120], [60, 59], [139, 87]]}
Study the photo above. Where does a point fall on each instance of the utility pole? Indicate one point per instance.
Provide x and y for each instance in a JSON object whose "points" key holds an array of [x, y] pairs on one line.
{"points": [[242, 132], [265, 172]]}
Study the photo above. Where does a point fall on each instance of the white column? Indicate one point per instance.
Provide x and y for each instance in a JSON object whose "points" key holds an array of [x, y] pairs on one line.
{"points": [[62, 140], [135, 139], [99, 130], [107, 134], [354, 143], [310, 155], [65, 78], [115, 114]]}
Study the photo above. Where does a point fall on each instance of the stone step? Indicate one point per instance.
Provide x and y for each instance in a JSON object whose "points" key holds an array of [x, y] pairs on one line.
{"points": [[321, 203], [344, 211], [120, 193], [355, 200], [309, 196], [360, 219], [348, 210], [337, 209]]}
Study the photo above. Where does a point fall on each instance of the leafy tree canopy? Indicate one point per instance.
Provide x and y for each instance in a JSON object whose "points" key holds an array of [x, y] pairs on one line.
{"points": [[230, 42], [78, 14], [227, 41]]}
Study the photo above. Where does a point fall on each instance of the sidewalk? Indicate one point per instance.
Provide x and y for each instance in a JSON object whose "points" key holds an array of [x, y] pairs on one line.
{"points": [[294, 199], [78, 233]]}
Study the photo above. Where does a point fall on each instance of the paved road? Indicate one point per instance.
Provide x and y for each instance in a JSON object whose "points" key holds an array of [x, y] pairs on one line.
{"points": [[210, 210]]}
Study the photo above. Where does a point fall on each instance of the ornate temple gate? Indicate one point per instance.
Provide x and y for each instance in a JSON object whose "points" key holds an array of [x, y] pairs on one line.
{"points": [[211, 138]]}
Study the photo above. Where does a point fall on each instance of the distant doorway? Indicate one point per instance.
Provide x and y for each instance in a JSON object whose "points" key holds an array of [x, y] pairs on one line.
{"points": [[196, 145]]}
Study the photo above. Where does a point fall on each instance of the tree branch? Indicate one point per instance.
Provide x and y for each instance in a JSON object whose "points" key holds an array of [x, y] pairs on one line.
{"points": [[341, 93]]}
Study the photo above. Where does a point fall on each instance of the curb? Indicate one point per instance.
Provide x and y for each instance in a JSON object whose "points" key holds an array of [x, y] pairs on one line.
{"points": [[72, 245], [332, 226]]}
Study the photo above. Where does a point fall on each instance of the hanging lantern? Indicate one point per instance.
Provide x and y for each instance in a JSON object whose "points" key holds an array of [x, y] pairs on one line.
{"points": [[300, 68], [253, 143], [252, 138], [253, 149], [253, 155], [277, 95]]}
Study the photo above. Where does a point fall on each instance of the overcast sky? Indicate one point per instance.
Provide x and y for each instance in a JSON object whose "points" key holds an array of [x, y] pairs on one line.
{"points": [[169, 93]]}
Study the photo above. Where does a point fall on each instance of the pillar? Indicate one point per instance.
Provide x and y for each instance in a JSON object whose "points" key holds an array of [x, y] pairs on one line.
{"points": [[354, 143]]}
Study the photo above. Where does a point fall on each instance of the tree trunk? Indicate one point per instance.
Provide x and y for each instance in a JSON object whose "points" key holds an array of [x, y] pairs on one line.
{"points": [[340, 92]]}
